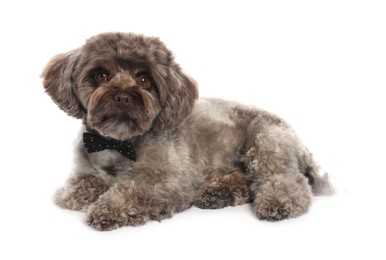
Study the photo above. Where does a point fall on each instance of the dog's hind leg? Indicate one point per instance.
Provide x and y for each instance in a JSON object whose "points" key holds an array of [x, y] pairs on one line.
{"points": [[226, 190], [276, 163]]}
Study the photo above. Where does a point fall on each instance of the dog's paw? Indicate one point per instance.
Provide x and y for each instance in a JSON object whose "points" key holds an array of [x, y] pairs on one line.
{"points": [[104, 218], [107, 217], [273, 212], [80, 192], [228, 190], [103, 224], [213, 198], [282, 197]]}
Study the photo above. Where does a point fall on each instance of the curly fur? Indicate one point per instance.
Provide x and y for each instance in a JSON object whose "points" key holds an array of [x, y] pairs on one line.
{"points": [[209, 153]]}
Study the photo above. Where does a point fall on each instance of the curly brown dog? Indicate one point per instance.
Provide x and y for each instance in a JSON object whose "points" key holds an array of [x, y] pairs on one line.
{"points": [[149, 148]]}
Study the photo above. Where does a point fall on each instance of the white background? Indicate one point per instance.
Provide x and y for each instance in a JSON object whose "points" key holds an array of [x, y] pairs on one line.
{"points": [[318, 64]]}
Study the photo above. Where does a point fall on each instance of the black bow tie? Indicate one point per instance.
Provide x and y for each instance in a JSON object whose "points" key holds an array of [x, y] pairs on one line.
{"points": [[96, 143]]}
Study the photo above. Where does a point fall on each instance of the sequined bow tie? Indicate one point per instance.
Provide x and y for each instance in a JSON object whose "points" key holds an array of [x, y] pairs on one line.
{"points": [[95, 143]]}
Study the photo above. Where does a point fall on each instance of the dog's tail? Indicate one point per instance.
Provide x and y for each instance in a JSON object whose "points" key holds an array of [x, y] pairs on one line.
{"points": [[321, 183]]}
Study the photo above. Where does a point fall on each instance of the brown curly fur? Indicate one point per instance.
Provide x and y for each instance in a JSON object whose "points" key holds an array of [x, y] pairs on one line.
{"points": [[208, 153], [224, 190]]}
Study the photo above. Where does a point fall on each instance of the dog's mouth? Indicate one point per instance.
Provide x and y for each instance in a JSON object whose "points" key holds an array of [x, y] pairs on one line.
{"points": [[118, 125], [120, 121]]}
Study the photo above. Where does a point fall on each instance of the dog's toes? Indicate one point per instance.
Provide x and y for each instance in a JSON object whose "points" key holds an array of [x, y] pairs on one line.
{"points": [[103, 223], [215, 199], [273, 212], [106, 217], [107, 225]]}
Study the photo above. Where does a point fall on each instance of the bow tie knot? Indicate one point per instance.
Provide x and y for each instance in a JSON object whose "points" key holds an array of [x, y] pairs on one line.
{"points": [[95, 143]]}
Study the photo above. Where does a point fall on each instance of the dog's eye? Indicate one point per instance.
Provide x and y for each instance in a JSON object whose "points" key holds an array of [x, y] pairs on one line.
{"points": [[144, 81], [101, 77]]}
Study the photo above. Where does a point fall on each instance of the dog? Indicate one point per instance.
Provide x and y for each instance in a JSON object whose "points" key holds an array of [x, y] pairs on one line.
{"points": [[150, 148]]}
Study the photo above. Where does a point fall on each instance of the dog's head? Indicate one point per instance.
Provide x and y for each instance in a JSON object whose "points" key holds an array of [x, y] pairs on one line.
{"points": [[121, 84]]}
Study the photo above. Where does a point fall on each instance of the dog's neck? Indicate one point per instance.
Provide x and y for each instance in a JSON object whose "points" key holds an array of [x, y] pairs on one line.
{"points": [[87, 129]]}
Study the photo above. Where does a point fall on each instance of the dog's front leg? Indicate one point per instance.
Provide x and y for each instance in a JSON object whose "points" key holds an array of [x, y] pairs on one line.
{"points": [[131, 203], [80, 191]]}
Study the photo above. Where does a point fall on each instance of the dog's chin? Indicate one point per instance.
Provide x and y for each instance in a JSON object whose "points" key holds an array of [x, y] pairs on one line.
{"points": [[119, 129], [121, 123]]}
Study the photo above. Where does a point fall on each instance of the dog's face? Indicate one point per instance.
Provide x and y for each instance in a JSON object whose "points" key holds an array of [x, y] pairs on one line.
{"points": [[122, 85]]}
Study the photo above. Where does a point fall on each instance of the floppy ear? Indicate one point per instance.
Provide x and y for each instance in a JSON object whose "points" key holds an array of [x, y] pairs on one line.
{"points": [[59, 84], [178, 92]]}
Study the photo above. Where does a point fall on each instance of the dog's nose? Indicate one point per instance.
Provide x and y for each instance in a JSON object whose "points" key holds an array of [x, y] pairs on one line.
{"points": [[122, 99]]}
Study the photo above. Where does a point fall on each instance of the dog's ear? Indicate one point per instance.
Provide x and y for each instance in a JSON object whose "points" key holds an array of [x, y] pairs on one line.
{"points": [[178, 92], [58, 83]]}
